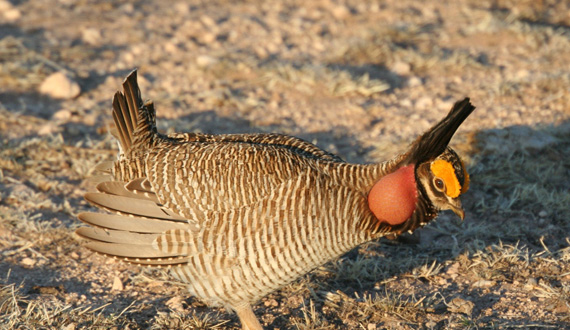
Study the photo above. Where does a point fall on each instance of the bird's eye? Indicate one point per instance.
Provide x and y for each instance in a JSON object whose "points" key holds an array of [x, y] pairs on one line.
{"points": [[438, 183]]}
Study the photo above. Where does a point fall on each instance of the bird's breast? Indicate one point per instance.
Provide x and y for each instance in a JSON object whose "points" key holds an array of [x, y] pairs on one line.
{"points": [[393, 198]]}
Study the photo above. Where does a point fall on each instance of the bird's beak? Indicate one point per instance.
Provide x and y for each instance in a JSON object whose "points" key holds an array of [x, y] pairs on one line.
{"points": [[457, 208]]}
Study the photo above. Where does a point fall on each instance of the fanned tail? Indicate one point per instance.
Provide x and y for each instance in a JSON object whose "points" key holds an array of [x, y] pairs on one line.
{"points": [[139, 230]]}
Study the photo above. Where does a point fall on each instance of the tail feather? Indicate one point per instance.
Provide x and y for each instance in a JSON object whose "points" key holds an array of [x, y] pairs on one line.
{"points": [[132, 116], [130, 223], [122, 121], [122, 189], [434, 142], [135, 206], [116, 236]]}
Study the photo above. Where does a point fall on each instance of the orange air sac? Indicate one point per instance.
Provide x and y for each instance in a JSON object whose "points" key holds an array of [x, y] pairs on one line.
{"points": [[393, 198]]}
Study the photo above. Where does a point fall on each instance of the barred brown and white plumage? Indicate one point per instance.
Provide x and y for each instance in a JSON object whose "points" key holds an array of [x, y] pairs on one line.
{"points": [[236, 217]]}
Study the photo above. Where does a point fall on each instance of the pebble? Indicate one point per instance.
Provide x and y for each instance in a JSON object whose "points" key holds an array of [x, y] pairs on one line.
{"points": [[47, 129], [62, 115], [117, 284], [406, 103], [208, 21], [339, 11], [9, 12], [423, 102], [207, 38], [60, 86], [414, 81], [205, 61], [271, 303], [91, 36], [28, 262], [444, 105], [483, 284], [70, 326], [401, 68]]}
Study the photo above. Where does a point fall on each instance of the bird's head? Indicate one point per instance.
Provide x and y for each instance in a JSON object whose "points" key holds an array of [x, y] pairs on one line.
{"points": [[429, 178], [443, 180]]}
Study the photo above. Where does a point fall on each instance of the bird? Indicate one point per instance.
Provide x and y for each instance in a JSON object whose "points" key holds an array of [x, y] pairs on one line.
{"points": [[235, 217]]}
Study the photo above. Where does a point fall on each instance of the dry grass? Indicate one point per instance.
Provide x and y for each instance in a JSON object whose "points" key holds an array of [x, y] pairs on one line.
{"points": [[360, 79]]}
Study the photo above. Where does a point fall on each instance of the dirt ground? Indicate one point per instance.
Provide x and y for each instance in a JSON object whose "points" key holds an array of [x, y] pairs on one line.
{"points": [[359, 78]]}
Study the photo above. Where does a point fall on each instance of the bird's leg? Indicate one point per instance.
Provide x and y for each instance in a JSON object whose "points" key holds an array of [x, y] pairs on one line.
{"points": [[248, 319]]}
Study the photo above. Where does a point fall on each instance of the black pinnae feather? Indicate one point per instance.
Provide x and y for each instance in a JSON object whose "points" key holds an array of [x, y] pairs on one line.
{"points": [[434, 142]]}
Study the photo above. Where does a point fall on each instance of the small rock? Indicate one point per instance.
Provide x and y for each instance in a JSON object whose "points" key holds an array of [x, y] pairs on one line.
{"points": [[207, 38], [522, 74], [62, 115], [271, 303], [60, 86], [371, 326], [401, 68], [70, 326], [483, 284], [91, 36], [405, 103], [458, 305], [542, 214], [182, 7], [339, 11], [423, 102], [28, 262], [9, 12], [444, 105], [171, 47], [430, 324], [127, 8], [260, 52], [5, 5], [117, 284], [47, 129], [205, 61], [208, 21], [12, 14], [414, 81]]}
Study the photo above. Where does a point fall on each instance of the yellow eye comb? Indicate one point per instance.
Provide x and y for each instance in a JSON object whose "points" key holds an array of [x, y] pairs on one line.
{"points": [[444, 170]]}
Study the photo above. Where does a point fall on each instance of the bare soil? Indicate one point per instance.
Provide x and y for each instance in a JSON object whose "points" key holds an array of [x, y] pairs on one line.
{"points": [[359, 78]]}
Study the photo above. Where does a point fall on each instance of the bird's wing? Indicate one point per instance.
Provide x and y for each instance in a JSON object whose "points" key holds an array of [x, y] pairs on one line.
{"points": [[193, 178]]}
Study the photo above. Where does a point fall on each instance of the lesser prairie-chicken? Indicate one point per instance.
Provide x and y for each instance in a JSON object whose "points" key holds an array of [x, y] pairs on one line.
{"points": [[238, 216]]}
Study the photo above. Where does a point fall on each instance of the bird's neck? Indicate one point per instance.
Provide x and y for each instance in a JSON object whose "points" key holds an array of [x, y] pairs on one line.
{"points": [[393, 197]]}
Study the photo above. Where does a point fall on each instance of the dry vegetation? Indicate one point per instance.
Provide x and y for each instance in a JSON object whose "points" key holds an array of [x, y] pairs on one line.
{"points": [[359, 78]]}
